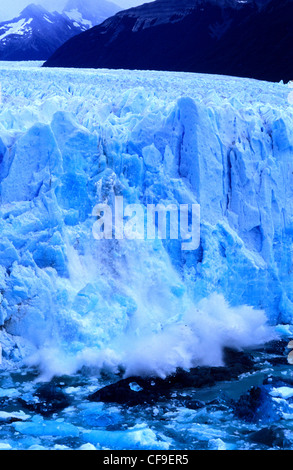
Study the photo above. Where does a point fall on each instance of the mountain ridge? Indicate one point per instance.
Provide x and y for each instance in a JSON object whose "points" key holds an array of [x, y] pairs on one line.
{"points": [[229, 38], [89, 13], [36, 33]]}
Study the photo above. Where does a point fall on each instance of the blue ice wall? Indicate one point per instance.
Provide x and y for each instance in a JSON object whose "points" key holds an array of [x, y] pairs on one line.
{"points": [[225, 144]]}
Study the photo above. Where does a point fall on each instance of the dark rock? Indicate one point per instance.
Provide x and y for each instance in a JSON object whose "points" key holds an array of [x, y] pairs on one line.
{"points": [[9, 420], [272, 436], [256, 406], [194, 404], [247, 406], [122, 392], [278, 361], [276, 347], [5, 402], [276, 352], [238, 362], [276, 382], [227, 38], [49, 399], [137, 390]]}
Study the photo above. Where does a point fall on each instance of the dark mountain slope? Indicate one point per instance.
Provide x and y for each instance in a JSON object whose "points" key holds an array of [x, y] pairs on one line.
{"points": [[198, 36]]}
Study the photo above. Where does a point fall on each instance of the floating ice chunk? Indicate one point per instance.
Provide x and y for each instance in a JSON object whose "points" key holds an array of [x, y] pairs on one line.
{"points": [[87, 446], [60, 447], [140, 437], [5, 446], [72, 390], [40, 427], [21, 416], [135, 387], [282, 392], [217, 444], [96, 415], [37, 447], [9, 392]]}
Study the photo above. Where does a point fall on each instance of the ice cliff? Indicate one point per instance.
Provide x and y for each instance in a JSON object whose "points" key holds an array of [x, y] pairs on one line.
{"points": [[72, 139]]}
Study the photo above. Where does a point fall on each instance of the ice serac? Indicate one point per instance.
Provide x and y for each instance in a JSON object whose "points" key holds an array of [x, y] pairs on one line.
{"points": [[67, 299]]}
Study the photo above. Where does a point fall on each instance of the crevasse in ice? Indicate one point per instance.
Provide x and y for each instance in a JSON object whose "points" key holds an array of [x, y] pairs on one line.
{"points": [[72, 139]]}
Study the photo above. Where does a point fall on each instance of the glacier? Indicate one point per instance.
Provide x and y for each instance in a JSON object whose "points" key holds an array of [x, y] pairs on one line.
{"points": [[70, 139], [77, 314]]}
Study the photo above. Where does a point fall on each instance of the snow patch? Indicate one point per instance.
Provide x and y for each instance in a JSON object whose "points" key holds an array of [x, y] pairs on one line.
{"points": [[77, 17], [18, 27]]}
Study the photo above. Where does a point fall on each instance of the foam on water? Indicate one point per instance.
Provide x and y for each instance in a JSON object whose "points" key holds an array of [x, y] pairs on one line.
{"points": [[143, 320]]}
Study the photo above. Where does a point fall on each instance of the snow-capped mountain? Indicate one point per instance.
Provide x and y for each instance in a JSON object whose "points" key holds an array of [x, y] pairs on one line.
{"points": [[36, 33], [231, 37], [89, 13]]}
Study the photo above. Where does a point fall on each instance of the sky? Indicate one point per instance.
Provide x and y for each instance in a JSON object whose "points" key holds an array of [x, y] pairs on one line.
{"points": [[10, 9]]}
